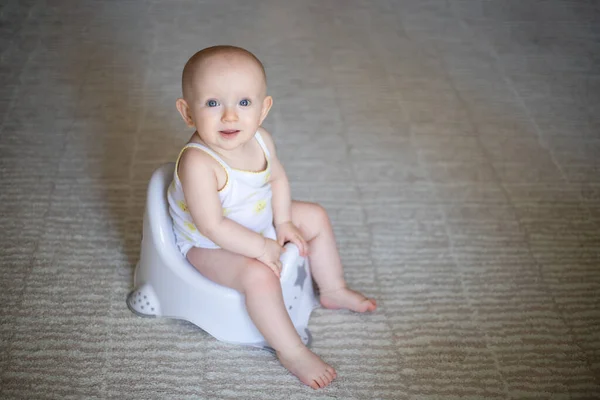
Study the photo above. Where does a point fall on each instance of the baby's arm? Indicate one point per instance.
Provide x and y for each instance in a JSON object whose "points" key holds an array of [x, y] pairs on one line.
{"points": [[282, 200], [198, 175]]}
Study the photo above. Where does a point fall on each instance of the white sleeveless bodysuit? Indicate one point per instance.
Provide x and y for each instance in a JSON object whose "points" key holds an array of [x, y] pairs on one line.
{"points": [[245, 199]]}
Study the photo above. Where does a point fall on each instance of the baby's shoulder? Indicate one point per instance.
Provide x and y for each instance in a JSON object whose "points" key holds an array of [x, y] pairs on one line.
{"points": [[194, 160], [267, 138]]}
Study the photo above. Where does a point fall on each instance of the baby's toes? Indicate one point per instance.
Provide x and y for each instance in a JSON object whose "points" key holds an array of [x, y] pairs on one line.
{"points": [[322, 381], [370, 304], [363, 306], [330, 373], [326, 380]]}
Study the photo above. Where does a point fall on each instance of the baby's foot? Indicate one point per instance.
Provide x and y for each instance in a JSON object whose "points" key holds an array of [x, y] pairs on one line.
{"points": [[307, 366], [347, 298]]}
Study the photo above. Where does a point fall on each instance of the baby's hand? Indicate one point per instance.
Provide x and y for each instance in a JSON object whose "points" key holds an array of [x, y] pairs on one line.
{"points": [[270, 256], [287, 232]]}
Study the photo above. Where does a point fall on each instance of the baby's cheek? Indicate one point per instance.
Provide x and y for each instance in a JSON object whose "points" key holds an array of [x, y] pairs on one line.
{"points": [[211, 112]]}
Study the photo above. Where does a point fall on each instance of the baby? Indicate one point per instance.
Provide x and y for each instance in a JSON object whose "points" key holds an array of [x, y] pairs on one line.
{"points": [[232, 210]]}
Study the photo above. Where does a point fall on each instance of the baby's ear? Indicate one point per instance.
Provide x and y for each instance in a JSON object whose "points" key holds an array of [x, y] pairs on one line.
{"points": [[184, 110], [266, 106]]}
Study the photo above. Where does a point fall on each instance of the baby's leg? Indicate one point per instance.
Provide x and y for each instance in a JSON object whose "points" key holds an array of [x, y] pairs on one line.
{"points": [[325, 263], [265, 305]]}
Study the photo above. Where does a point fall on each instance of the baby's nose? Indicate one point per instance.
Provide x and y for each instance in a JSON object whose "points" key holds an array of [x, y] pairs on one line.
{"points": [[229, 114]]}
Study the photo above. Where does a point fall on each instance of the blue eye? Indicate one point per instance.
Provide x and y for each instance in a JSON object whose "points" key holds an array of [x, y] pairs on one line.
{"points": [[245, 103], [212, 103]]}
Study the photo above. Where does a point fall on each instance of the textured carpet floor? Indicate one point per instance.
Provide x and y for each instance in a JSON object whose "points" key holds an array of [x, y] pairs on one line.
{"points": [[455, 144]]}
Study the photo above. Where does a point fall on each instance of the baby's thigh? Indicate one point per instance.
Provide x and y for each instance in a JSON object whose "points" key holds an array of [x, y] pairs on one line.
{"points": [[228, 269]]}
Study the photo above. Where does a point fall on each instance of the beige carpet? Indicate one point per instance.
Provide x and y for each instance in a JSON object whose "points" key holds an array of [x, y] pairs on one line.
{"points": [[456, 145]]}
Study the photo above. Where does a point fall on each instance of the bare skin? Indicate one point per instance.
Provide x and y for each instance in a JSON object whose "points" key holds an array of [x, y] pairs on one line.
{"points": [[225, 100], [326, 266], [264, 300]]}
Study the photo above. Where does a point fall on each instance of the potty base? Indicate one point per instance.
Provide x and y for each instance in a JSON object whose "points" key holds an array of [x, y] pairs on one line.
{"points": [[167, 285]]}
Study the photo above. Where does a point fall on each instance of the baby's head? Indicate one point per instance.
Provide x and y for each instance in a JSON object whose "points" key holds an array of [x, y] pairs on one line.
{"points": [[224, 95]]}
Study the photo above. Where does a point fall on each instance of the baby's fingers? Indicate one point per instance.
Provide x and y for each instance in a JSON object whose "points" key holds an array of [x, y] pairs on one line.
{"points": [[276, 268], [284, 238], [281, 240], [304, 247], [299, 241]]}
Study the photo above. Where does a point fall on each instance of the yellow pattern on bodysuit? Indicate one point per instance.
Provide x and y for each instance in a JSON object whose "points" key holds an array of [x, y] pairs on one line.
{"points": [[260, 206]]}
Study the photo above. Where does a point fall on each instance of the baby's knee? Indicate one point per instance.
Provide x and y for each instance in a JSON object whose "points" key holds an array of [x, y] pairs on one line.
{"points": [[257, 276], [319, 213]]}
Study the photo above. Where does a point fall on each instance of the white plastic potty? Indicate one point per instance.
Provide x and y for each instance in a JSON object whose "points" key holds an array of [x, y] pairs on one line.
{"points": [[167, 285]]}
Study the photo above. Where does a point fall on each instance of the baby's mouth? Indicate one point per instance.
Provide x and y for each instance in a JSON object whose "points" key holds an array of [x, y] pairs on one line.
{"points": [[229, 131]]}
